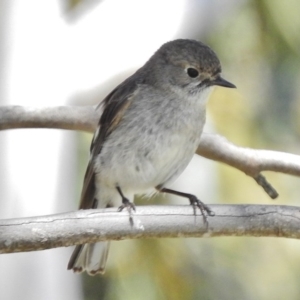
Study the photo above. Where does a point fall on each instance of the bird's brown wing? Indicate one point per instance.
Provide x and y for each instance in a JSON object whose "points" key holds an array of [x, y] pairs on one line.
{"points": [[115, 105]]}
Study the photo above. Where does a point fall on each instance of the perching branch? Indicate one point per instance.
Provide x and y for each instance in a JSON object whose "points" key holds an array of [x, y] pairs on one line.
{"points": [[89, 226], [251, 162]]}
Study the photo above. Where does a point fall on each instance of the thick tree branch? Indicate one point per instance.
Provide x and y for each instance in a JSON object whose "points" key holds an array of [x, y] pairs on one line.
{"points": [[214, 147], [86, 226]]}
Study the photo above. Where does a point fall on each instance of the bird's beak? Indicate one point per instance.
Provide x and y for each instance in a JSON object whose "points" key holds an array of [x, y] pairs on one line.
{"points": [[222, 82]]}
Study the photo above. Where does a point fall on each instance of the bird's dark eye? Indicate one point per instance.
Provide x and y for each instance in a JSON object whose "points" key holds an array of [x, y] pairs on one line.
{"points": [[193, 73]]}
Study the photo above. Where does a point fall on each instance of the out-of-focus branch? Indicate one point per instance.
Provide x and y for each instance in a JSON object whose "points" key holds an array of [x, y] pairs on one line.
{"points": [[251, 162], [83, 118], [89, 226]]}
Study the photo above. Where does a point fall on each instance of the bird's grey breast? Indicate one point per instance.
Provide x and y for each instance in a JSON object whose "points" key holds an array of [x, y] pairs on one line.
{"points": [[154, 141]]}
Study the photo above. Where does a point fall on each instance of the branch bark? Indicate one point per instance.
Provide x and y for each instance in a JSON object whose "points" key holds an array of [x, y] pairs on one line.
{"points": [[89, 226]]}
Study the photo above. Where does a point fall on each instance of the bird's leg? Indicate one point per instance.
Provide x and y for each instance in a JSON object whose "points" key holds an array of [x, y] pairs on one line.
{"points": [[195, 202], [125, 202], [95, 204]]}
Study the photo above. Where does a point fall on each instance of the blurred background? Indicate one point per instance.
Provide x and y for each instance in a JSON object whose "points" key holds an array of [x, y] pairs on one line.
{"points": [[73, 52]]}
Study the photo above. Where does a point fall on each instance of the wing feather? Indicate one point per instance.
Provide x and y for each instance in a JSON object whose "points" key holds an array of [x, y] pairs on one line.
{"points": [[115, 105]]}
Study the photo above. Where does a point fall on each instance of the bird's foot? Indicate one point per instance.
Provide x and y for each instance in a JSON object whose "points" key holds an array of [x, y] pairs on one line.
{"points": [[126, 204]]}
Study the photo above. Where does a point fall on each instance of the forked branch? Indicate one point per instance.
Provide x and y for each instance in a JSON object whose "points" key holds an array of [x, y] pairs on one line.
{"points": [[85, 118]]}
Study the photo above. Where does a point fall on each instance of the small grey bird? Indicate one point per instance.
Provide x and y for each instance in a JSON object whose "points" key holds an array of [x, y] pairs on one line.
{"points": [[147, 134]]}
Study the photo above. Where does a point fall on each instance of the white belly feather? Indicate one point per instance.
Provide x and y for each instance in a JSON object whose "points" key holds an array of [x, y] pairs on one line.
{"points": [[151, 149]]}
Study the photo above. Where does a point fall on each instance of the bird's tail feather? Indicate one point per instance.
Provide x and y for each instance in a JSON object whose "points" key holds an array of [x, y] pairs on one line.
{"points": [[90, 258]]}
